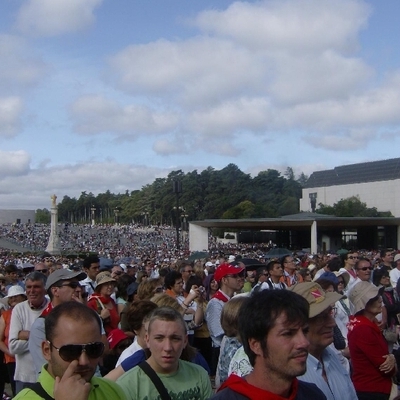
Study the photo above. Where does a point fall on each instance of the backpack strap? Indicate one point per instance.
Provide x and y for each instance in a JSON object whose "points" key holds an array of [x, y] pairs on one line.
{"points": [[38, 389], [156, 380]]}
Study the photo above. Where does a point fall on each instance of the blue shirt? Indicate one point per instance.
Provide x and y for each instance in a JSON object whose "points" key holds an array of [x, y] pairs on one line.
{"points": [[339, 385]]}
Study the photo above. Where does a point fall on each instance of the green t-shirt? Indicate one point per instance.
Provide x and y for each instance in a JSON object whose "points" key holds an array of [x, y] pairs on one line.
{"points": [[189, 382], [102, 389]]}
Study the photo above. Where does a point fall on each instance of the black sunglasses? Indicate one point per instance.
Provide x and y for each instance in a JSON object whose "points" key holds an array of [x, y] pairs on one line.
{"points": [[72, 285], [365, 268], [43, 271], [71, 352]]}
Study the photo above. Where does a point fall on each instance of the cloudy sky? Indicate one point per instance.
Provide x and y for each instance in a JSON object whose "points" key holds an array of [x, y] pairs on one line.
{"points": [[111, 94]]}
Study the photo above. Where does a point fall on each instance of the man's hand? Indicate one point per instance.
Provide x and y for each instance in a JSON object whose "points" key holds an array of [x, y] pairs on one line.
{"points": [[71, 385], [23, 335]]}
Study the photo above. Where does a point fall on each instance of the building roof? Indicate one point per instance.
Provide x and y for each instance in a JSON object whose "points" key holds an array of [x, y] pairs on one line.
{"points": [[373, 171], [298, 221]]}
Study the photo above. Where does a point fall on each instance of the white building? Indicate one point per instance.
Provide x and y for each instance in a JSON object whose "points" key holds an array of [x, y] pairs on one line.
{"points": [[375, 183], [17, 216]]}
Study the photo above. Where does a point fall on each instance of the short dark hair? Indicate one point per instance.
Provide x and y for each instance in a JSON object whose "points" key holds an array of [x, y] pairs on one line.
{"points": [[137, 311], [90, 260], [8, 269], [271, 264], [334, 264], [384, 251], [70, 309], [259, 312], [193, 280], [171, 278], [166, 314]]}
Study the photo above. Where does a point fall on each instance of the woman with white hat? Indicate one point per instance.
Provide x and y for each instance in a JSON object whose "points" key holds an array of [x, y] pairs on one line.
{"points": [[373, 365], [16, 294]]}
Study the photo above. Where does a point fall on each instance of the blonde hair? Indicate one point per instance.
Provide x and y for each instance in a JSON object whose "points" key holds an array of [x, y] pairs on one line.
{"points": [[230, 315], [164, 300]]}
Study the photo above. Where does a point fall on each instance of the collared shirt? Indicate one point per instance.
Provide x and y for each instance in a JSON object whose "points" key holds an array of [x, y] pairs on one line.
{"points": [[339, 385], [213, 319], [89, 285], [101, 389]]}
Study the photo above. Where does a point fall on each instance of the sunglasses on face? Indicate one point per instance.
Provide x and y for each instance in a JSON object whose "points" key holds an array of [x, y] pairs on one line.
{"points": [[71, 352], [43, 271], [72, 285], [365, 268]]}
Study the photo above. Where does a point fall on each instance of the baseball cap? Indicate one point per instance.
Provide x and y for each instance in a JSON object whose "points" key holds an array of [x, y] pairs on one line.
{"points": [[361, 293], [227, 269], [62, 275], [396, 257], [116, 336], [317, 298]]}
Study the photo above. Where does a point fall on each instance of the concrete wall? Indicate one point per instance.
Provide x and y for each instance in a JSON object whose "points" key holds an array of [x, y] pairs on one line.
{"points": [[11, 216], [384, 195]]}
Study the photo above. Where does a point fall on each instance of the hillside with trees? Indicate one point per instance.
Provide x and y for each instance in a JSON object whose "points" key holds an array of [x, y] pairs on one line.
{"points": [[225, 193]]}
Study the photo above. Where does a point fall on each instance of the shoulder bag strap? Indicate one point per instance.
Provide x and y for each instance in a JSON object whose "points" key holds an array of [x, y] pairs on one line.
{"points": [[38, 389], [156, 380]]}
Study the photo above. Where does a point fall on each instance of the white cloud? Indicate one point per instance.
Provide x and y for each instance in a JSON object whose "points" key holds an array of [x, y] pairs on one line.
{"points": [[93, 114], [19, 67], [193, 72], [268, 66], [14, 163], [297, 27], [10, 113], [34, 187], [55, 17]]}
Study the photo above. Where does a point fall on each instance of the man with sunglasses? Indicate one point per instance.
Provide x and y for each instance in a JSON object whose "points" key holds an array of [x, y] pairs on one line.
{"points": [[231, 280], [72, 349], [41, 267], [323, 366], [61, 286]]}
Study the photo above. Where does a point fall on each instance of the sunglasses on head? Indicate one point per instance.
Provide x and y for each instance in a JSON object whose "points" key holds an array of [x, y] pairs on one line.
{"points": [[71, 352]]}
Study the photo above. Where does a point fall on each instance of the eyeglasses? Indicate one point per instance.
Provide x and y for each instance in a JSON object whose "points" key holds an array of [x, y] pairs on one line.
{"points": [[365, 268], [71, 352], [353, 257], [43, 271], [72, 285], [159, 289]]}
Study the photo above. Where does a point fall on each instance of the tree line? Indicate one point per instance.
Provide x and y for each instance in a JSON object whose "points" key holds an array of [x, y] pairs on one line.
{"points": [[225, 193], [211, 194]]}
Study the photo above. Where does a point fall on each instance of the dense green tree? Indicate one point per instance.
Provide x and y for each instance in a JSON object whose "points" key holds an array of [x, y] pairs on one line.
{"points": [[351, 207], [43, 216]]}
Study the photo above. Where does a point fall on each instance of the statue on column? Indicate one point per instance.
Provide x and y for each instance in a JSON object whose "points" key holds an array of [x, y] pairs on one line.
{"points": [[53, 247]]}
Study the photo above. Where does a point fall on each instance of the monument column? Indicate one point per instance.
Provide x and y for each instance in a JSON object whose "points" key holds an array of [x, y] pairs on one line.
{"points": [[53, 246]]}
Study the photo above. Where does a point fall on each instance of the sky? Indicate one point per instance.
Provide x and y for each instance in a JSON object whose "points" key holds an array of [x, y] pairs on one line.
{"points": [[100, 95]]}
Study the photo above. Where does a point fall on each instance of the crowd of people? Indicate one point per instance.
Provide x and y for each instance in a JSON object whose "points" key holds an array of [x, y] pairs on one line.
{"points": [[150, 323]]}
